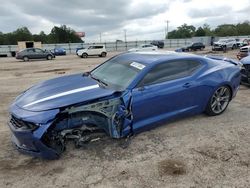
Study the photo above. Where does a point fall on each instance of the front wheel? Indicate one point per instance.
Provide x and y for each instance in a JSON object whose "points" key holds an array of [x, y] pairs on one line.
{"points": [[219, 101], [49, 57], [84, 55]]}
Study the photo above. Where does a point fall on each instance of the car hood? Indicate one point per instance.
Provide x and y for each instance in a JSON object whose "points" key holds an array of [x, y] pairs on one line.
{"points": [[245, 60], [61, 92]]}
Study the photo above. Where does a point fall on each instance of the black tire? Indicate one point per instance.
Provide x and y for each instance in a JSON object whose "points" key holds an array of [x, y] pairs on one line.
{"points": [[26, 58], [84, 55], [103, 54], [234, 47], [219, 101], [49, 57]]}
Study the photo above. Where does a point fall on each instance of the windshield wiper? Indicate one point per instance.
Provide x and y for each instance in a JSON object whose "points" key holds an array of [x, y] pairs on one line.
{"points": [[98, 80]]}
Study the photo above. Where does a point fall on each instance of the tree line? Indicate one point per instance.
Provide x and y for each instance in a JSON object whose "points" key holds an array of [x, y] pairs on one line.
{"points": [[187, 31], [62, 34]]}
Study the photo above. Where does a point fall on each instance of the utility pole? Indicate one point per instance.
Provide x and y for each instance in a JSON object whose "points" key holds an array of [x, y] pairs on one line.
{"points": [[125, 35], [166, 30], [125, 38], [100, 37]]}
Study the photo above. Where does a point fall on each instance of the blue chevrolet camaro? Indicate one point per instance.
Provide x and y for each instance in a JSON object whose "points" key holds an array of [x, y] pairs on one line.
{"points": [[128, 93]]}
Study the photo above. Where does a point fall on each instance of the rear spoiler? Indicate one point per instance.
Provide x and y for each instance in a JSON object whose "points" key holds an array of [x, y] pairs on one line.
{"points": [[221, 58]]}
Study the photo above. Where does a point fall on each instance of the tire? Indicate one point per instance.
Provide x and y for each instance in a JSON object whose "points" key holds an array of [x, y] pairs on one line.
{"points": [[233, 47], [49, 57], [84, 55], [103, 54], [202, 48], [26, 58], [219, 101]]}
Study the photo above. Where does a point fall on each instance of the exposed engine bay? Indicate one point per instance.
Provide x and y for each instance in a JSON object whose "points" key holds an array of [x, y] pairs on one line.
{"points": [[90, 122]]}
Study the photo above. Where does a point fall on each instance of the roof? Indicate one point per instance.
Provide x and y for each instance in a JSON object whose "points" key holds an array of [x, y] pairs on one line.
{"points": [[150, 57]]}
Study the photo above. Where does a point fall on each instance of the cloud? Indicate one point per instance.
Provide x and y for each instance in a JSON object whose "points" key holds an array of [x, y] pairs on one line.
{"points": [[142, 19], [209, 12]]}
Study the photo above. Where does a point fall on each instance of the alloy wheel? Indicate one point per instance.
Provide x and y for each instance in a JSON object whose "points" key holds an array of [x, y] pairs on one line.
{"points": [[220, 99]]}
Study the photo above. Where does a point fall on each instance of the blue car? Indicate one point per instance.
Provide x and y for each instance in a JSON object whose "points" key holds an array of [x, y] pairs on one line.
{"points": [[59, 51], [245, 71], [127, 94]]}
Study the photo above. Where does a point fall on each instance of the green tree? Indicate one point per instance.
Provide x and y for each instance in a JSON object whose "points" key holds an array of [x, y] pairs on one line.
{"points": [[63, 35], [23, 34], [183, 31], [207, 29], [200, 32], [243, 28], [226, 30]]}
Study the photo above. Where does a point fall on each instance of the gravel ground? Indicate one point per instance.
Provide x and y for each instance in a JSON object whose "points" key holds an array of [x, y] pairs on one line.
{"points": [[198, 151]]}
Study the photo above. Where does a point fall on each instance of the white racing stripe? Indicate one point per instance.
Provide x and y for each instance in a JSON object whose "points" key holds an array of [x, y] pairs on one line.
{"points": [[63, 94]]}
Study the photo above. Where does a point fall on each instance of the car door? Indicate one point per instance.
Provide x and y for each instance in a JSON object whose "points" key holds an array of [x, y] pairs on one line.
{"points": [[31, 53], [167, 90], [91, 50], [39, 53]]}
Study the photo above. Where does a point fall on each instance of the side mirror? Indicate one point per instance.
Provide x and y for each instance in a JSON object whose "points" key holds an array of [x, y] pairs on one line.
{"points": [[86, 74]]}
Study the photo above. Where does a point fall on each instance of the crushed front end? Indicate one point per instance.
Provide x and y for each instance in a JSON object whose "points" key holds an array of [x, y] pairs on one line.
{"points": [[45, 134]]}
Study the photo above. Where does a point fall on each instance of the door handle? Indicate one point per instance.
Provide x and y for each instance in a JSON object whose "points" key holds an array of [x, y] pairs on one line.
{"points": [[187, 85]]}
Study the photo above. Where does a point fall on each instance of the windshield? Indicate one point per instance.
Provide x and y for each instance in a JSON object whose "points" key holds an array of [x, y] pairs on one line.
{"points": [[117, 74]]}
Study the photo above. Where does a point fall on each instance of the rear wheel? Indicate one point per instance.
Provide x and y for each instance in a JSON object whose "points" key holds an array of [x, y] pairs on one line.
{"points": [[84, 55], [103, 54], [25, 58], [219, 101]]}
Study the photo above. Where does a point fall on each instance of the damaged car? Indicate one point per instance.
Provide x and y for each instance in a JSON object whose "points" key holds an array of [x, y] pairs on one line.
{"points": [[245, 71], [125, 95]]}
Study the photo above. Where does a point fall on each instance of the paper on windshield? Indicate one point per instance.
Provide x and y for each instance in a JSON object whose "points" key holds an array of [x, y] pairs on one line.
{"points": [[137, 65]]}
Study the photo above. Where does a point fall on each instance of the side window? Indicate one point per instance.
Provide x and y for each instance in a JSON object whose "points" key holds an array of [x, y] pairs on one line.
{"points": [[30, 50], [38, 50], [170, 71]]}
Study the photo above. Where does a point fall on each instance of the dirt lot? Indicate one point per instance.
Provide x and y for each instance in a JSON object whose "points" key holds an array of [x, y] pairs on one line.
{"points": [[197, 151]]}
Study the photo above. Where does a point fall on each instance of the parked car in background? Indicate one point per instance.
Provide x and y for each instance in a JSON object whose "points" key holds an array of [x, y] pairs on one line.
{"points": [[79, 48], [93, 50], [127, 94], [242, 42], [244, 51], [144, 47], [193, 47], [224, 44], [59, 51], [158, 43], [34, 53], [245, 71]]}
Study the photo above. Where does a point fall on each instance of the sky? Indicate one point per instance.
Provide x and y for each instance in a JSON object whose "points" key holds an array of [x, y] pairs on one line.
{"points": [[111, 19]]}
